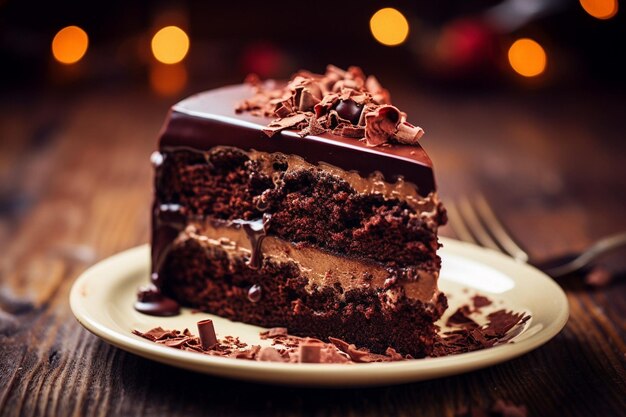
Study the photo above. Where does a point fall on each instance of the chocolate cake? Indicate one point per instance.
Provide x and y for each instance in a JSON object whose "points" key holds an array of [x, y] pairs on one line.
{"points": [[308, 205]]}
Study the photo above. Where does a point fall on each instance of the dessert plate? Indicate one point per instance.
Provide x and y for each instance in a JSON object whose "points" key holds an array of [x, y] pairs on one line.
{"points": [[102, 300]]}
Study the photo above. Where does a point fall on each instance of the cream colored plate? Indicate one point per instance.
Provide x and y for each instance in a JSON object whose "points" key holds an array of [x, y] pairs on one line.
{"points": [[102, 301]]}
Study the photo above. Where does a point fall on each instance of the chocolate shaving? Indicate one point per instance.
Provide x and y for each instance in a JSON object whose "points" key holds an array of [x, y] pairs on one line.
{"points": [[248, 354], [310, 352], [363, 355], [206, 330], [350, 131], [158, 333], [501, 321], [294, 349], [313, 104], [269, 354], [407, 133], [279, 124], [502, 326], [274, 332], [461, 318], [480, 301], [467, 335]]}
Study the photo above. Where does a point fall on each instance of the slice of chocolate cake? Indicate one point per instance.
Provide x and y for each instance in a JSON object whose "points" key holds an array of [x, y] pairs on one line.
{"points": [[307, 205]]}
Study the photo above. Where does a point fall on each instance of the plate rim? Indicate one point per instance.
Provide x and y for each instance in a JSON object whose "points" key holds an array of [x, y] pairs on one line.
{"points": [[387, 373]]}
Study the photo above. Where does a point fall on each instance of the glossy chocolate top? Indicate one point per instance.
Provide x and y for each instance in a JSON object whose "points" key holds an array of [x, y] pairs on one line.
{"points": [[208, 119]]}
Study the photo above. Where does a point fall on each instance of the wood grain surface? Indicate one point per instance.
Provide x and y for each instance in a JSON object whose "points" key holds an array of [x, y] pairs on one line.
{"points": [[75, 188]]}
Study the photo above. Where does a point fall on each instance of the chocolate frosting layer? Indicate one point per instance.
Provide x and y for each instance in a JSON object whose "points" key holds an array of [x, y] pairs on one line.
{"points": [[209, 119], [321, 268]]}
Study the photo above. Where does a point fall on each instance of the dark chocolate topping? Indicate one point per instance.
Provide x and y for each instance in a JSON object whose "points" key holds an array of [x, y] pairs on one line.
{"points": [[346, 103]]}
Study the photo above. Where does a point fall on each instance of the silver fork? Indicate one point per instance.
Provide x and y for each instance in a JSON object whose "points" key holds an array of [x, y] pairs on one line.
{"points": [[474, 221]]}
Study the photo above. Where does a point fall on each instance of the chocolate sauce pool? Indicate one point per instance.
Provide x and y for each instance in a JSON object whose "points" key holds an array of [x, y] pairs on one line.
{"points": [[151, 301]]}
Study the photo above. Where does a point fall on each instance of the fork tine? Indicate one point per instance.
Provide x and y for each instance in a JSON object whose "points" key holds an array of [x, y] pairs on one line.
{"points": [[457, 223], [498, 231], [475, 225]]}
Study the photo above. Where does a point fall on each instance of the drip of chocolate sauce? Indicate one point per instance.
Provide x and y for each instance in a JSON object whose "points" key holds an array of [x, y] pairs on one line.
{"points": [[170, 220], [255, 293], [150, 300], [256, 232]]}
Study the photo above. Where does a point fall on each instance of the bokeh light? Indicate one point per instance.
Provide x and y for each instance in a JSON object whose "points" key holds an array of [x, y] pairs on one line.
{"points": [[70, 45], [170, 45], [168, 80], [464, 45], [600, 9], [527, 57], [389, 27], [264, 59]]}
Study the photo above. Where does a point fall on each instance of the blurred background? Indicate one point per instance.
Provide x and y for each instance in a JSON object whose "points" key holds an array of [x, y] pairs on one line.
{"points": [[520, 99], [171, 48]]}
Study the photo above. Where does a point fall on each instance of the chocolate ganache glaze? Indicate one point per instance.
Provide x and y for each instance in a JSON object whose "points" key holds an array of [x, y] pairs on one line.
{"points": [[208, 120]]}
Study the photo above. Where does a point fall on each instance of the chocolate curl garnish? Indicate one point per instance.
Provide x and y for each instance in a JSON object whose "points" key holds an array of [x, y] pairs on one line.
{"points": [[362, 355], [345, 84], [379, 94], [158, 333], [334, 73], [284, 108], [206, 330], [314, 127], [346, 103], [381, 124], [359, 98], [270, 354], [350, 131], [356, 73], [274, 332], [284, 123], [310, 352], [408, 134], [328, 102], [307, 100], [335, 121]]}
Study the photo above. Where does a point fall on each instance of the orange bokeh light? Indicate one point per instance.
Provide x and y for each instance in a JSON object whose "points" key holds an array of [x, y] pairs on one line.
{"points": [[170, 45], [527, 57], [168, 80], [389, 26], [70, 45], [600, 9]]}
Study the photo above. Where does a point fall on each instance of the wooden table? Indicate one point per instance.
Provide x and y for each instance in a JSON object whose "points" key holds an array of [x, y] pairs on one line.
{"points": [[75, 187]]}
